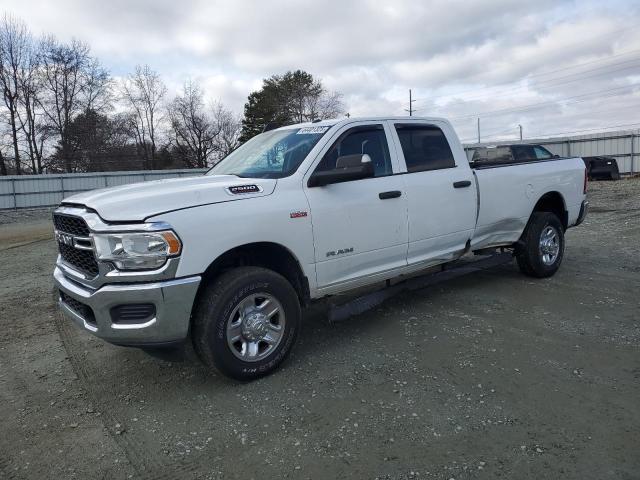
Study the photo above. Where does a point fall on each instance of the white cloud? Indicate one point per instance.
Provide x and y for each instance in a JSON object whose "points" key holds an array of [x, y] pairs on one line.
{"points": [[449, 52]]}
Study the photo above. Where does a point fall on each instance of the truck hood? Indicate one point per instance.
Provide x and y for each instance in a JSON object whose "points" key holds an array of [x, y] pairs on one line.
{"points": [[137, 201]]}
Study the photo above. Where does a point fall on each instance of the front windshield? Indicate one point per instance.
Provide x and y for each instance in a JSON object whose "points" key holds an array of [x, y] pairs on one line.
{"points": [[273, 154]]}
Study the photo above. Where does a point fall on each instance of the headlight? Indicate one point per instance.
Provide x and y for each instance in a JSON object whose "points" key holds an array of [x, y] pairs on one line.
{"points": [[137, 251]]}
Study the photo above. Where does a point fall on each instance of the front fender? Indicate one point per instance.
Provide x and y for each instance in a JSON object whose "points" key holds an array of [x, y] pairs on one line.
{"points": [[208, 231]]}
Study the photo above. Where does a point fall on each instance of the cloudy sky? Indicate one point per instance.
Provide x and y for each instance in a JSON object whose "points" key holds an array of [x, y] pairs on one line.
{"points": [[552, 66]]}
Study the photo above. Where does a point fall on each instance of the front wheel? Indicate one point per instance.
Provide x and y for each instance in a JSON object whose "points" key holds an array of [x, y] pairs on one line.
{"points": [[246, 322], [542, 248]]}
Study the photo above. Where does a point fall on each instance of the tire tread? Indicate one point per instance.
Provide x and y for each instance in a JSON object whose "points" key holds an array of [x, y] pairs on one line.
{"points": [[527, 255], [212, 299]]}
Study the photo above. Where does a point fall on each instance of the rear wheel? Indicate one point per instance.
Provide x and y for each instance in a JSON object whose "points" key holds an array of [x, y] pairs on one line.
{"points": [[246, 322], [542, 249]]}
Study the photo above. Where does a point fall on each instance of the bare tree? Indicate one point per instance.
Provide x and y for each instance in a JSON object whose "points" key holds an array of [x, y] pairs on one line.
{"points": [[326, 105], [31, 114], [228, 126], [98, 87], [70, 85], [3, 156], [144, 91], [15, 47], [192, 130]]}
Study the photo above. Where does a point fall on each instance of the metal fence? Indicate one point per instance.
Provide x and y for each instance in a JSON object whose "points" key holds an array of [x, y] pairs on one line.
{"points": [[30, 191]]}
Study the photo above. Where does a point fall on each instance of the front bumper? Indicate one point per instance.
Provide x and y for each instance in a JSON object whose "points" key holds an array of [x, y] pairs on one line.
{"points": [[173, 301], [584, 209]]}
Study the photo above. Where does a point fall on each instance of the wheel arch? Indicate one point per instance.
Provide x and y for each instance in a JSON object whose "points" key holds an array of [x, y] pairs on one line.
{"points": [[553, 202], [271, 255]]}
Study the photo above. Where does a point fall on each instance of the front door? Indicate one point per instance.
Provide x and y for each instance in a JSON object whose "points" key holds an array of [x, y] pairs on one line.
{"points": [[360, 226]]}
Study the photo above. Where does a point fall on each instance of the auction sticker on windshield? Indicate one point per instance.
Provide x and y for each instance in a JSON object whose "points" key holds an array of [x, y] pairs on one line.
{"points": [[312, 130]]}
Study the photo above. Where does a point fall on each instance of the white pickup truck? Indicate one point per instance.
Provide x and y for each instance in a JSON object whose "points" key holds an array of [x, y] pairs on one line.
{"points": [[229, 259]]}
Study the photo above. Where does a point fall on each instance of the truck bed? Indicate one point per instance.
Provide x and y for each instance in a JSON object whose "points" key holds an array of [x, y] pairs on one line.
{"points": [[507, 194]]}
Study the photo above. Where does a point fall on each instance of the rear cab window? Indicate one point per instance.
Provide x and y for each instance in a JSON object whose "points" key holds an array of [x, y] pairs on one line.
{"points": [[523, 153], [542, 153], [425, 147], [492, 156], [529, 153]]}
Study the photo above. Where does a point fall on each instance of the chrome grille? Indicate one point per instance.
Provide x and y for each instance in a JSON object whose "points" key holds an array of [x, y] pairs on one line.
{"points": [[73, 225], [82, 260]]}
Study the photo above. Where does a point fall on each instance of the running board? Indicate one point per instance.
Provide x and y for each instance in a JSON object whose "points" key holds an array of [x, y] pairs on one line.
{"points": [[368, 301]]}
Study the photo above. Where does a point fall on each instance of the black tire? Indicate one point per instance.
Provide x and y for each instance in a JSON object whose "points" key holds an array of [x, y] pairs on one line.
{"points": [[216, 304], [530, 257]]}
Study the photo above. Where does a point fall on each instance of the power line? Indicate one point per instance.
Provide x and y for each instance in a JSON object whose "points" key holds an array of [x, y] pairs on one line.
{"points": [[590, 129], [546, 103], [579, 115], [553, 84], [551, 134], [584, 63], [491, 134], [544, 74], [567, 118]]}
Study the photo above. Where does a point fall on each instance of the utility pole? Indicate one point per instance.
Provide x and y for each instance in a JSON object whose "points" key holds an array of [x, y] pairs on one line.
{"points": [[520, 126], [478, 129], [410, 110]]}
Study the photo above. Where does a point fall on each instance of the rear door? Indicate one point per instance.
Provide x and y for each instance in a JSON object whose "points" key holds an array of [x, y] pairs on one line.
{"points": [[440, 190], [359, 227]]}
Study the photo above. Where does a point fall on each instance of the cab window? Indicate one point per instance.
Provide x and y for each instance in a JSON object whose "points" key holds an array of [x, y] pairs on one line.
{"points": [[523, 153], [369, 139], [492, 156], [425, 147], [542, 153]]}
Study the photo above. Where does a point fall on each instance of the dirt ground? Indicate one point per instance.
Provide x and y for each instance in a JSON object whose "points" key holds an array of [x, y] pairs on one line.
{"points": [[491, 375]]}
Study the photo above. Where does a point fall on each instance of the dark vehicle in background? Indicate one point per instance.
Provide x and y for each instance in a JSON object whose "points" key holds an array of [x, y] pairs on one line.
{"points": [[508, 154], [602, 168]]}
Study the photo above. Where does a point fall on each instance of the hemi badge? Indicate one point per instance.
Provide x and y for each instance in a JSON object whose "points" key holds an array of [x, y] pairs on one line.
{"points": [[298, 214]]}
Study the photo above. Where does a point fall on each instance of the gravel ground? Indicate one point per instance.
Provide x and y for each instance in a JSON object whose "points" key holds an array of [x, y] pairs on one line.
{"points": [[25, 215], [488, 375]]}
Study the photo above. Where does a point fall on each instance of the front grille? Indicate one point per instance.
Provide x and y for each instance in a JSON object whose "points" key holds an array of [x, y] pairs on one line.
{"points": [[82, 260], [80, 308], [69, 224]]}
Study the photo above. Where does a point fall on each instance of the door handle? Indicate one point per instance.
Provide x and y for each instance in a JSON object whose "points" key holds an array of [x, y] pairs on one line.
{"points": [[462, 184], [391, 194]]}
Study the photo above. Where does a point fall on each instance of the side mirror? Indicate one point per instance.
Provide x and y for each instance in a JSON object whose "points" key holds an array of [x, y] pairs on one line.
{"points": [[348, 168]]}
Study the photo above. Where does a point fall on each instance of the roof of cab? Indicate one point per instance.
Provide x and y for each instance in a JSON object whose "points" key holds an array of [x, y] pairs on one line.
{"points": [[346, 120]]}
